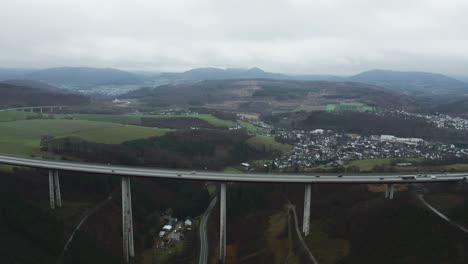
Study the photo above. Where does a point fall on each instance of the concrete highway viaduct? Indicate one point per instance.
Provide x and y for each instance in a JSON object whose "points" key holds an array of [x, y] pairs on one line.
{"points": [[126, 173]]}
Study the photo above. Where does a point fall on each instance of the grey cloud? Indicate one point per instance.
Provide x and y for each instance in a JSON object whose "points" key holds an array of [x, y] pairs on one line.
{"points": [[293, 36]]}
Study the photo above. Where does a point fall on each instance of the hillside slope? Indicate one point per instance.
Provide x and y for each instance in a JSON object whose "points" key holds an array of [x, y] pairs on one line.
{"points": [[19, 96], [416, 83]]}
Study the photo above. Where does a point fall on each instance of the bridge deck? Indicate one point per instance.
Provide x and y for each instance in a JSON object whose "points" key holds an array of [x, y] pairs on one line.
{"points": [[229, 177]]}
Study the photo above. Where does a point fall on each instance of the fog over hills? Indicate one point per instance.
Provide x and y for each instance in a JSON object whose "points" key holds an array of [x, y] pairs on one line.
{"points": [[71, 76], [413, 83], [13, 73]]}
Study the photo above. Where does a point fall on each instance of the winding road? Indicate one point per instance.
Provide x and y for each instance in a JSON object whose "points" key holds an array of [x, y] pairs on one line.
{"points": [[292, 208], [83, 219], [203, 235], [430, 207]]}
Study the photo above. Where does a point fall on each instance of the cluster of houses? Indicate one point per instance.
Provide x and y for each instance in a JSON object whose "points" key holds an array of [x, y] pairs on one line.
{"points": [[325, 147], [172, 232], [440, 120]]}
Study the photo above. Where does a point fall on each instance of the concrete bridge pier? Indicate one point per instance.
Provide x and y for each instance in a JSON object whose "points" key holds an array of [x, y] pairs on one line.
{"points": [[127, 221], [306, 221], [51, 190], [392, 187], [222, 224], [389, 190], [54, 189], [40, 109]]}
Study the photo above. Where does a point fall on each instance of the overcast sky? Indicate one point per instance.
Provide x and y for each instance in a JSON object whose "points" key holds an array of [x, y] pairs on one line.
{"points": [[291, 36]]}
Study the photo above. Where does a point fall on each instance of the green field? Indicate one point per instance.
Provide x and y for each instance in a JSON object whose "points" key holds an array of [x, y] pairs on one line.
{"points": [[120, 119], [136, 119], [353, 107], [327, 249], [456, 167], [23, 137], [250, 127], [267, 143], [6, 116], [368, 164]]}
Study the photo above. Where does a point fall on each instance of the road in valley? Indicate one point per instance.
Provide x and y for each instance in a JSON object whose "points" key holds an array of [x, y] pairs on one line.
{"points": [[430, 207], [203, 235], [85, 217]]}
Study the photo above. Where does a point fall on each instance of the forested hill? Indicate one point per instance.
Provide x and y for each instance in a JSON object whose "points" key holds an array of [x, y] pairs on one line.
{"points": [[416, 83], [273, 94], [20, 96]]}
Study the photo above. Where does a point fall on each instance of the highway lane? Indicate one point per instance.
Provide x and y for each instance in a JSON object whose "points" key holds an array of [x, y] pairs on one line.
{"points": [[226, 177], [203, 259]]}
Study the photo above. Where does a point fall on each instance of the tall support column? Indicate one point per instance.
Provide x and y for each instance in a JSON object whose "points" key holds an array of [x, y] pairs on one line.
{"points": [[130, 219], [58, 196], [386, 191], [222, 224], [51, 189], [306, 220], [124, 220], [127, 222], [40, 109], [392, 186]]}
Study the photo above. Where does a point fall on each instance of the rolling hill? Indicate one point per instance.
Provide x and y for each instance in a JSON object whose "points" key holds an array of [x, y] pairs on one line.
{"points": [[31, 84], [236, 73], [415, 83], [454, 107]]}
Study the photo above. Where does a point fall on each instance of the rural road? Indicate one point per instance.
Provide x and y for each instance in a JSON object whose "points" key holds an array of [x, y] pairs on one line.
{"points": [[292, 208], [83, 219], [430, 207], [203, 235]]}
